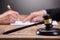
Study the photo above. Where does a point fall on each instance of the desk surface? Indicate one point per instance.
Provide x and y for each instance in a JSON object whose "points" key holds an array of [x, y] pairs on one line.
{"points": [[25, 33]]}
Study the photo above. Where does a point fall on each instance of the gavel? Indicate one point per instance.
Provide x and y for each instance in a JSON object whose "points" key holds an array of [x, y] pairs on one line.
{"points": [[48, 30]]}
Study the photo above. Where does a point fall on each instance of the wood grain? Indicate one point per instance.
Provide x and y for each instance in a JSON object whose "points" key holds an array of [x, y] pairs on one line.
{"points": [[25, 33]]}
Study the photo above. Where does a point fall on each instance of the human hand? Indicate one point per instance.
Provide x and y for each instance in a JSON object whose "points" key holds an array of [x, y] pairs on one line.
{"points": [[9, 17], [35, 16]]}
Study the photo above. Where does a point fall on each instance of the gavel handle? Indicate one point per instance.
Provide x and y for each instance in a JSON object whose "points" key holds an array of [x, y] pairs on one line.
{"points": [[17, 29]]}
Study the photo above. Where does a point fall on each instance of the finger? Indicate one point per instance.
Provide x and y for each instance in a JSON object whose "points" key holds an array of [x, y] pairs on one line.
{"points": [[14, 15], [29, 18], [17, 14], [37, 19], [11, 12], [12, 19]]}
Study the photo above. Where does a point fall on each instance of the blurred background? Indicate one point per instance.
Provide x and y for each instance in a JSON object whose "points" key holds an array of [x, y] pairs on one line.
{"points": [[28, 6]]}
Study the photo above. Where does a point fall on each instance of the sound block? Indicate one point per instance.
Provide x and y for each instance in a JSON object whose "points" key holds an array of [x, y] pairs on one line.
{"points": [[51, 32]]}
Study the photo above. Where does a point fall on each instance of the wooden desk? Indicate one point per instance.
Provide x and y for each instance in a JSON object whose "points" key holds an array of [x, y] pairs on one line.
{"points": [[27, 34]]}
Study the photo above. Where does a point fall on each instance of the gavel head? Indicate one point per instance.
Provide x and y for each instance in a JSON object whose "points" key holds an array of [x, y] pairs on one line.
{"points": [[48, 21]]}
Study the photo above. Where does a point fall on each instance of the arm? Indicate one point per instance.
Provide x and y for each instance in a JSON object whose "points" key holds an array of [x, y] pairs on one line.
{"points": [[55, 14], [38, 15]]}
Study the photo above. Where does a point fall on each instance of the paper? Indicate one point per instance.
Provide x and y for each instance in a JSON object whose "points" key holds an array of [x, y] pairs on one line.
{"points": [[29, 23], [22, 23], [54, 22]]}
